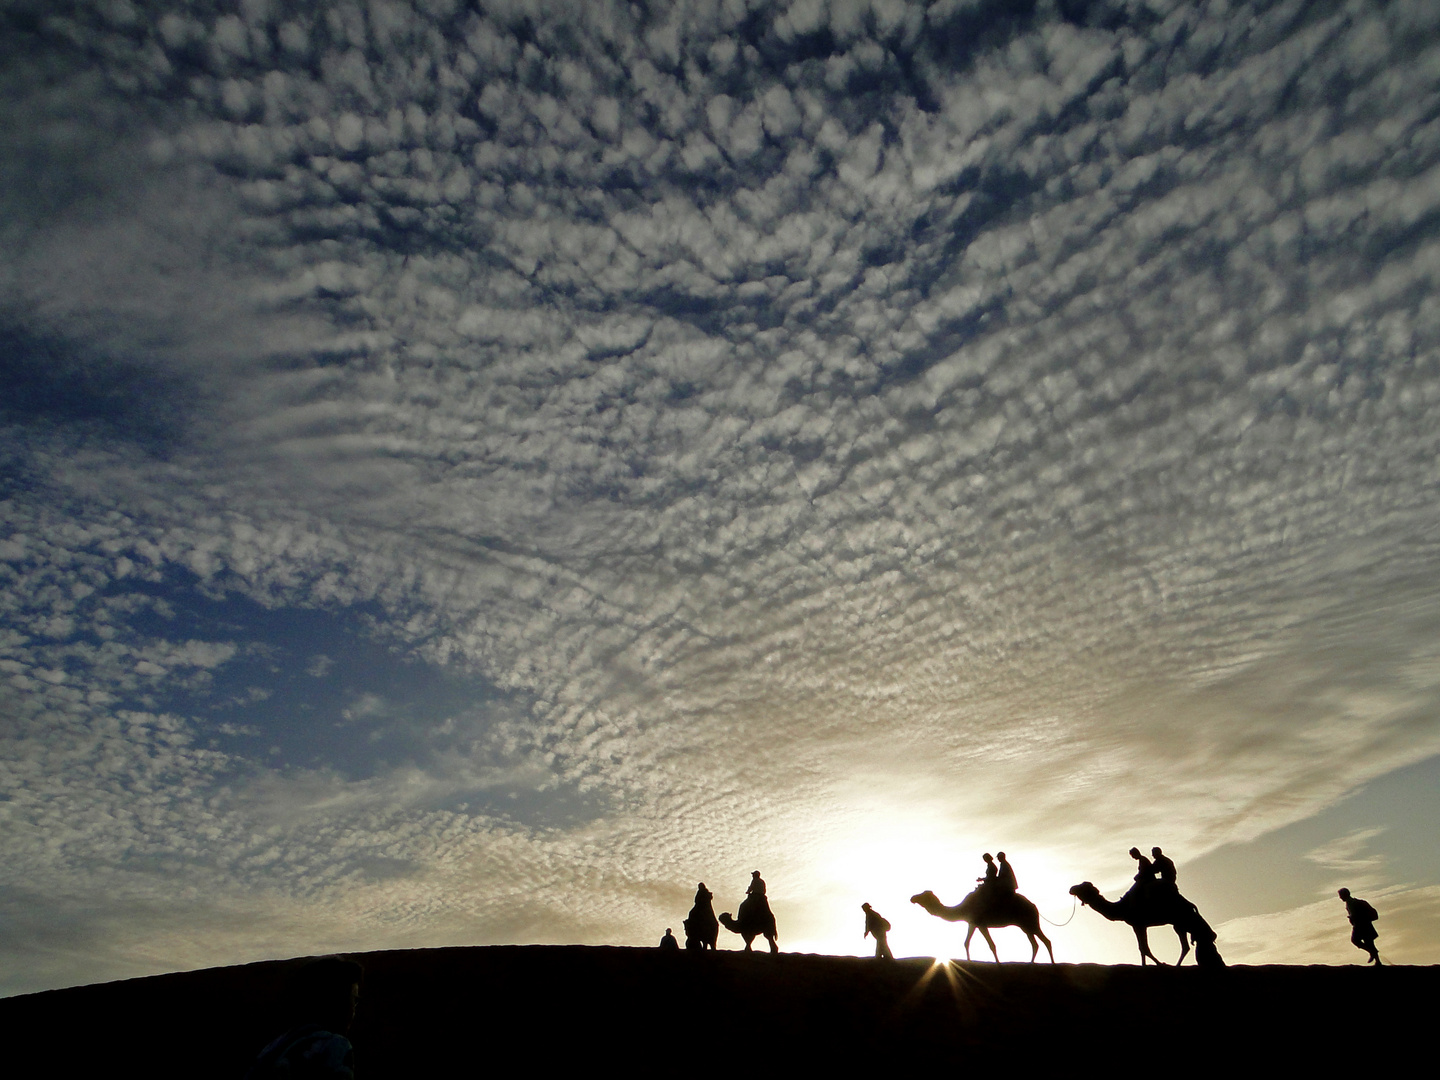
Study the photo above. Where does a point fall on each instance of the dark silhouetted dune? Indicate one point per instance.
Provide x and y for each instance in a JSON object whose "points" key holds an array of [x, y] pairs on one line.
{"points": [[456, 1012]]}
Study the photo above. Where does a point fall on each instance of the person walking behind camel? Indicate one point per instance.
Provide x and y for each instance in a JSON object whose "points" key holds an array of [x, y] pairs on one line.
{"points": [[1362, 917], [878, 926]]}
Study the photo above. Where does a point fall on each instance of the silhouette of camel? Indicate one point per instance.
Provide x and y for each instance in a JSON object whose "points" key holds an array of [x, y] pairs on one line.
{"points": [[982, 913], [754, 919], [702, 929], [1166, 909]]}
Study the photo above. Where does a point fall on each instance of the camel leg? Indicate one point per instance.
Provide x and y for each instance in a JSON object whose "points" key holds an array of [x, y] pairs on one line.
{"points": [[967, 942], [1035, 945], [749, 943], [1184, 945], [985, 933], [1143, 940], [774, 948]]}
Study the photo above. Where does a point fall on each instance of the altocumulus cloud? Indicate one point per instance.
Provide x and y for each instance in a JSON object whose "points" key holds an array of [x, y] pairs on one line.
{"points": [[474, 470]]}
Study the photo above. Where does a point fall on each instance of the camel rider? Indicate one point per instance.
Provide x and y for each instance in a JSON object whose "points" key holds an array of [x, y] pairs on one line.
{"points": [[1005, 878], [1145, 875], [1164, 868], [757, 885], [992, 872]]}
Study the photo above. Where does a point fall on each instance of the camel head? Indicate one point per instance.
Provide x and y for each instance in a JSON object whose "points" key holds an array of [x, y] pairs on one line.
{"points": [[1085, 892], [927, 900]]}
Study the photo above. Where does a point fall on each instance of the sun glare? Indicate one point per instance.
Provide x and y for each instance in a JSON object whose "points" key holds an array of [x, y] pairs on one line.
{"points": [[886, 864]]}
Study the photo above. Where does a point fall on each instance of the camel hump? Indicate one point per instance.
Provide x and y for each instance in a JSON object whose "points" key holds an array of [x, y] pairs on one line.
{"points": [[755, 906]]}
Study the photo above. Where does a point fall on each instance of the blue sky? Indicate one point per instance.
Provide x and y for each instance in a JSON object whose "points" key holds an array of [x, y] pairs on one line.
{"points": [[472, 471]]}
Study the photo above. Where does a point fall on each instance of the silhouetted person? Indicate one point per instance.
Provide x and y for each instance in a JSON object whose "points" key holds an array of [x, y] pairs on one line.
{"points": [[1005, 876], [1145, 875], [877, 926], [1164, 868], [702, 929], [992, 873], [753, 918], [668, 942], [322, 997], [1362, 920]]}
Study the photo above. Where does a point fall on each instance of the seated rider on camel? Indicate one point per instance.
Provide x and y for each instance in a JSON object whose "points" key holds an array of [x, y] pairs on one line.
{"points": [[1144, 876], [1005, 879], [1164, 868], [998, 885]]}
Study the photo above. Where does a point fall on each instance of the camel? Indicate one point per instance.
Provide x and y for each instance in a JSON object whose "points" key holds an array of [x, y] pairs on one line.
{"points": [[755, 919], [983, 912], [702, 929], [1169, 908]]}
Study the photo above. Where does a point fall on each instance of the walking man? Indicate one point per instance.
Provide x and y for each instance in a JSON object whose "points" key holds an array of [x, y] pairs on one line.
{"points": [[878, 926], [1362, 918]]}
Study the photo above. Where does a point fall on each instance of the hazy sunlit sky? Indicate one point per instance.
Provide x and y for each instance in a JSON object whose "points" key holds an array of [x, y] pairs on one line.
{"points": [[469, 472]]}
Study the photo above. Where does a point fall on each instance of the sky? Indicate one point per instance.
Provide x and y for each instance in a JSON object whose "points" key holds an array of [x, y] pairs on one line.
{"points": [[473, 471]]}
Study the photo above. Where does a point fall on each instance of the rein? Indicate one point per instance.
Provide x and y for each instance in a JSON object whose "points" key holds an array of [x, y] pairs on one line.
{"points": [[1074, 907]]}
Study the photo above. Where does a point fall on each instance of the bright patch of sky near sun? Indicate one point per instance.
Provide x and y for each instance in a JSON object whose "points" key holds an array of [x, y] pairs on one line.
{"points": [[470, 471]]}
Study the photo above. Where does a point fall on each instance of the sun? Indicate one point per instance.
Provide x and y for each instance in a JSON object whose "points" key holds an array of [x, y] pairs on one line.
{"points": [[886, 858]]}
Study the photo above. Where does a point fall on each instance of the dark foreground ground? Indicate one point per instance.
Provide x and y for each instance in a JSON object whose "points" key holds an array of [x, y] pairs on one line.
{"points": [[524, 1009]]}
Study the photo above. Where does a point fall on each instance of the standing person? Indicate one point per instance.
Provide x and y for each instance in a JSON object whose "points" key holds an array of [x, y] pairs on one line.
{"points": [[878, 926], [1362, 918], [1005, 878], [756, 886], [668, 942]]}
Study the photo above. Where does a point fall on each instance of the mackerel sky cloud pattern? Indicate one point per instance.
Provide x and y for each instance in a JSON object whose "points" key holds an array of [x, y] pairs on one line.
{"points": [[474, 470]]}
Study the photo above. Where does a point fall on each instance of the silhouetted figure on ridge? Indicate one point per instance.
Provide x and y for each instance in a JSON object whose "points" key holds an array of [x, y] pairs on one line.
{"points": [[1144, 876], [321, 998], [754, 919], [991, 871], [1005, 876], [668, 942], [1163, 868], [1362, 921], [877, 926], [702, 929]]}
